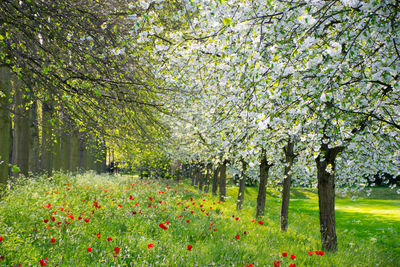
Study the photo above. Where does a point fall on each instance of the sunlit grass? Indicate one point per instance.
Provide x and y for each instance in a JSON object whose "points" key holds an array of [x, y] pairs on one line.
{"points": [[364, 238]]}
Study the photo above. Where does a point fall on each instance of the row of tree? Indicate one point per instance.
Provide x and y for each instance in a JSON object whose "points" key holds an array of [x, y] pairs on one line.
{"points": [[39, 137]]}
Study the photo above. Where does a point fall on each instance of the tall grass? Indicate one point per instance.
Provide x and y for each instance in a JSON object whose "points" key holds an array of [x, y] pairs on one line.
{"points": [[219, 235]]}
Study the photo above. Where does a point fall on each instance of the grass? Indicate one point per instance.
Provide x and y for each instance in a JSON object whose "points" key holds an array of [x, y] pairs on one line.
{"points": [[368, 228]]}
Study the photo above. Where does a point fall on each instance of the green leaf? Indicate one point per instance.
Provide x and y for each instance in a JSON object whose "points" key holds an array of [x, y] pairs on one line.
{"points": [[227, 21], [15, 168]]}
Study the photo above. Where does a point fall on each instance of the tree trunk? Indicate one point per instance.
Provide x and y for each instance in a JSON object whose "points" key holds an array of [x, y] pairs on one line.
{"points": [[214, 188], [5, 125], [47, 140], [192, 173], [264, 168], [222, 182], [200, 177], [207, 182], [81, 153], [34, 140], [242, 183], [73, 155], [326, 195], [289, 157], [21, 140]]}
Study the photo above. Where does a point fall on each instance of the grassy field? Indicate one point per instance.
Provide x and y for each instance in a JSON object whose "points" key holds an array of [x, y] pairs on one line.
{"points": [[100, 220]]}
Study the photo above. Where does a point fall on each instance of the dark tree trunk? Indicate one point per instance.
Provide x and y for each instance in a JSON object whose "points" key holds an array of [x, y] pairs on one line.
{"points": [[214, 188], [289, 157], [73, 155], [34, 140], [207, 181], [200, 178], [196, 174], [81, 153], [264, 168], [326, 195], [222, 181], [21, 140], [5, 124], [47, 140], [57, 148], [192, 173], [242, 183]]}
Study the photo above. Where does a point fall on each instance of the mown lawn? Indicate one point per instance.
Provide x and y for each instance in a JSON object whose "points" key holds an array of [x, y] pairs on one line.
{"points": [[100, 220]]}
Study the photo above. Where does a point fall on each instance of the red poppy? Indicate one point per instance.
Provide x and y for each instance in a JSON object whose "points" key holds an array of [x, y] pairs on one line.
{"points": [[116, 249], [310, 253], [48, 206], [43, 262], [1, 238], [53, 240], [237, 236], [79, 218], [98, 235], [163, 226], [188, 221], [253, 220], [237, 218], [89, 249], [119, 206], [189, 247], [249, 265], [109, 239], [150, 246], [318, 252], [245, 232], [131, 198], [292, 257], [192, 212], [151, 199], [260, 222], [46, 220], [86, 220], [166, 223], [53, 219], [292, 265], [277, 263], [284, 254]]}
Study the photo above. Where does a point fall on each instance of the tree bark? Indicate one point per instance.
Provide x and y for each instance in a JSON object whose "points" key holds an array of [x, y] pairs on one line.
{"points": [[264, 168], [289, 157], [200, 177], [326, 195], [73, 155], [34, 140], [57, 149], [21, 140], [242, 183], [5, 124], [81, 153], [47, 140], [192, 173], [222, 182], [207, 180], [214, 188]]}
